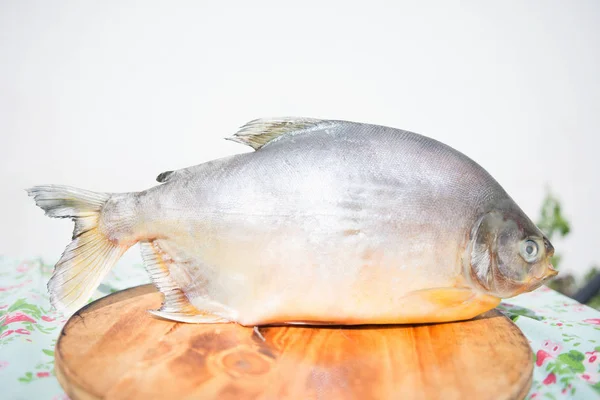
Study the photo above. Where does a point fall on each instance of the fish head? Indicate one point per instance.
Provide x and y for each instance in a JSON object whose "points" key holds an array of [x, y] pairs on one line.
{"points": [[508, 255]]}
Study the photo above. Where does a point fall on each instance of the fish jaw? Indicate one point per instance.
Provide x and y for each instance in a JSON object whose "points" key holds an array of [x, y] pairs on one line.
{"points": [[535, 281]]}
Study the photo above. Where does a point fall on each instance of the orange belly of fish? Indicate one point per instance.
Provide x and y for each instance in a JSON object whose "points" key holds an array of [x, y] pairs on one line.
{"points": [[421, 306]]}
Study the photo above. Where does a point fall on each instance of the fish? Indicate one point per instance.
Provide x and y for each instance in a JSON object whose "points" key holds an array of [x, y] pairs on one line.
{"points": [[325, 222]]}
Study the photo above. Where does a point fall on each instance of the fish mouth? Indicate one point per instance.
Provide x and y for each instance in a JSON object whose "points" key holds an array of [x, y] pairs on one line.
{"points": [[550, 272], [537, 281], [547, 272]]}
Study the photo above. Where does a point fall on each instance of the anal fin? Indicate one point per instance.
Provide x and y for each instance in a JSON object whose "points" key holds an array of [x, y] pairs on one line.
{"points": [[176, 306], [197, 318]]}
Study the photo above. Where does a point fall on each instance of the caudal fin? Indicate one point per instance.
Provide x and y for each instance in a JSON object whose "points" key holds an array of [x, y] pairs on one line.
{"points": [[89, 257]]}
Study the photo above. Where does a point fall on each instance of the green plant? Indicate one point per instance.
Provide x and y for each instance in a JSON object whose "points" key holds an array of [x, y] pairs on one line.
{"points": [[552, 222]]}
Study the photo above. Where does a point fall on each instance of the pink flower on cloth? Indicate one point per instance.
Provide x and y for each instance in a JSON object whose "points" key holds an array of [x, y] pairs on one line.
{"points": [[47, 318], [590, 363], [22, 331], [5, 334], [550, 379], [43, 374], [3, 364], [594, 321], [17, 317], [6, 288], [591, 377], [541, 356], [549, 350], [565, 390], [23, 267]]}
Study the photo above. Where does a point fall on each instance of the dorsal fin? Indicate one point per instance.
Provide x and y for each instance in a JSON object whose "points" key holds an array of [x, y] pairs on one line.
{"points": [[259, 132]]}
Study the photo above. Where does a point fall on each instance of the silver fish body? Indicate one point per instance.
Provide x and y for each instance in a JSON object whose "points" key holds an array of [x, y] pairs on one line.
{"points": [[327, 222]]}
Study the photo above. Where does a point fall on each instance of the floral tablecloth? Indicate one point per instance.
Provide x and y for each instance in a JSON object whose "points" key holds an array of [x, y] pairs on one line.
{"points": [[564, 335]]}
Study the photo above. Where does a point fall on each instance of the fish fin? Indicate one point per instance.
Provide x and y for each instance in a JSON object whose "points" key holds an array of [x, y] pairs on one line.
{"points": [[176, 305], [164, 176], [259, 132], [89, 257], [190, 318]]}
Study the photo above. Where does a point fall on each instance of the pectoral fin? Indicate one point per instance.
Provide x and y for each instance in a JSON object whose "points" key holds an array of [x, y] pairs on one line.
{"points": [[176, 306]]}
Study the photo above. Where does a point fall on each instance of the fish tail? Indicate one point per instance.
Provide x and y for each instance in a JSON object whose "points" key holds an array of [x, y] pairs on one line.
{"points": [[91, 254]]}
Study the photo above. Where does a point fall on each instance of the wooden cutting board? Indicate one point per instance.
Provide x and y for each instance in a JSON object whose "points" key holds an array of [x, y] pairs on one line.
{"points": [[114, 349]]}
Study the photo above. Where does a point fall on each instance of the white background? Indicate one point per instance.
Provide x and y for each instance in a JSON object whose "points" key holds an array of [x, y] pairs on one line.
{"points": [[106, 95]]}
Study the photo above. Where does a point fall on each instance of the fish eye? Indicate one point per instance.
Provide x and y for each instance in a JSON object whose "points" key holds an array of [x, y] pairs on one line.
{"points": [[529, 250]]}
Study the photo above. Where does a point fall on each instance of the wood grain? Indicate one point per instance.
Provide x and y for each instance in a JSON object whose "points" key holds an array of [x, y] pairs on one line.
{"points": [[114, 349]]}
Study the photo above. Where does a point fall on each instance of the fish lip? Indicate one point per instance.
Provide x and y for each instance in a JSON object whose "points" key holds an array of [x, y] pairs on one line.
{"points": [[535, 281], [548, 274], [551, 272]]}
